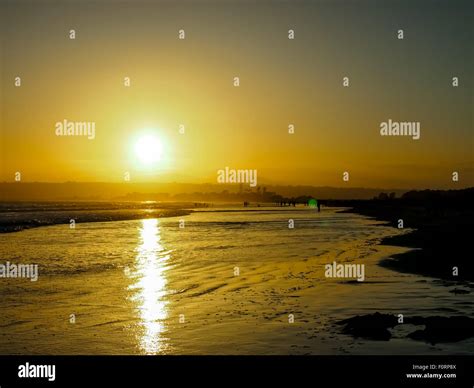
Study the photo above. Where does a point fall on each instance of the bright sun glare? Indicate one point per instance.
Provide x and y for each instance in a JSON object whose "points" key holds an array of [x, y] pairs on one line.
{"points": [[148, 149]]}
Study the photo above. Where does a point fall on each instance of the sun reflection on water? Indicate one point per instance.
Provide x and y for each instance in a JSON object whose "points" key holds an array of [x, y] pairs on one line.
{"points": [[150, 286]]}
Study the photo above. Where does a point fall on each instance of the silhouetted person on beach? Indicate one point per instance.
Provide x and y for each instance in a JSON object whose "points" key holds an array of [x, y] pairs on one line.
{"points": [[319, 207]]}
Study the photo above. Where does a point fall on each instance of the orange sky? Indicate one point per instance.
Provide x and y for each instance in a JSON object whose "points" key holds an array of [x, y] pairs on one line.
{"points": [[283, 82]]}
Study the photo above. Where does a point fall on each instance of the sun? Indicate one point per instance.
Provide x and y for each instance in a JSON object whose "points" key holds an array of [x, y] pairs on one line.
{"points": [[149, 149]]}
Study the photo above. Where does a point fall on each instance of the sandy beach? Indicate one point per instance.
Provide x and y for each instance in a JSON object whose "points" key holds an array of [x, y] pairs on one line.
{"points": [[245, 284]]}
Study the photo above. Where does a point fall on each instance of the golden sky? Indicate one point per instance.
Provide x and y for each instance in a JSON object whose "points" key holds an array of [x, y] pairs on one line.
{"points": [[282, 82]]}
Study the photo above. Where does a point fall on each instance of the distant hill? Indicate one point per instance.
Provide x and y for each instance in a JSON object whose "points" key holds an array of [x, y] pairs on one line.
{"points": [[38, 191]]}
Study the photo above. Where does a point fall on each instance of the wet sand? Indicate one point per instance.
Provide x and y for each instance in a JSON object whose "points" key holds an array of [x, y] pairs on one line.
{"points": [[18, 216], [440, 235], [149, 287]]}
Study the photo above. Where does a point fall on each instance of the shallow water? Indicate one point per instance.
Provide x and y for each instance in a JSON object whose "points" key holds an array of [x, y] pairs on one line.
{"points": [[226, 283]]}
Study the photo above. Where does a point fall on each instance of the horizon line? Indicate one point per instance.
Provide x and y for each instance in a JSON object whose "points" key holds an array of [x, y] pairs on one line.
{"points": [[237, 185]]}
